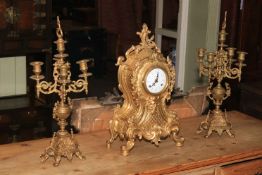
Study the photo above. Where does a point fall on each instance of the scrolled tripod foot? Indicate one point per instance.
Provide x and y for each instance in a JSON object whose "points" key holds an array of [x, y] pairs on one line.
{"points": [[209, 132], [79, 154], [125, 149], [108, 144], [203, 126], [230, 133]]}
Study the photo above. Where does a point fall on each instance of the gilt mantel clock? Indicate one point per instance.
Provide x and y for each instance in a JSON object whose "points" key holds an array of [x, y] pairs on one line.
{"points": [[146, 79]]}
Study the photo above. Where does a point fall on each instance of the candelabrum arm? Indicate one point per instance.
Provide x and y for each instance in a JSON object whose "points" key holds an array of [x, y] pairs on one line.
{"points": [[78, 86], [45, 87], [233, 73], [209, 91], [228, 91], [204, 70]]}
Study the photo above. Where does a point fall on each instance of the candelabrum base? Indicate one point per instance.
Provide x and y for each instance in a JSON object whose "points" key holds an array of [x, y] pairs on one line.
{"points": [[216, 121], [62, 144]]}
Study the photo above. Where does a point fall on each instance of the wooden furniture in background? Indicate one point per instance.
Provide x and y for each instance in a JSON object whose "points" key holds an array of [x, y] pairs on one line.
{"points": [[244, 25], [22, 119], [25, 30], [90, 115], [199, 156], [24, 26], [251, 98]]}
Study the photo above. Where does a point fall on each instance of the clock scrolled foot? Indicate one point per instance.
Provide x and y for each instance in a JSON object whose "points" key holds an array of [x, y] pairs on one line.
{"points": [[125, 149], [113, 128], [108, 144], [110, 141], [178, 140], [174, 134]]}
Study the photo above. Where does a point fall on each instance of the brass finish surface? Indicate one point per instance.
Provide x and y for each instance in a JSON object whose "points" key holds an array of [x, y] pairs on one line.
{"points": [[217, 66], [63, 143], [144, 114]]}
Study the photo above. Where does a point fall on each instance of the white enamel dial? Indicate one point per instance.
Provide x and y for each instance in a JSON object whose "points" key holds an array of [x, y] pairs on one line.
{"points": [[156, 80]]}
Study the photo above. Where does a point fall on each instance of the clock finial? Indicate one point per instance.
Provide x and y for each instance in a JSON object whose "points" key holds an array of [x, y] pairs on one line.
{"points": [[144, 34], [145, 40]]}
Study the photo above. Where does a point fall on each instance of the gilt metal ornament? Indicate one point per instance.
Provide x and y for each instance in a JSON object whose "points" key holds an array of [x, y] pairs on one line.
{"points": [[146, 80], [63, 143], [217, 66]]}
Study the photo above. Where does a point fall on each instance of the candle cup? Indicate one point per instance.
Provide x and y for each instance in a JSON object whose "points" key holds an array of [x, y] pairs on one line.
{"points": [[241, 56], [37, 67], [210, 57], [231, 51], [201, 52], [64, 71], [83, 65]]}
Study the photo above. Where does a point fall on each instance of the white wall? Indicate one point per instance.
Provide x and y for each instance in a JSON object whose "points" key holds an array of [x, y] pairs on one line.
{"points": [[12, 76]]}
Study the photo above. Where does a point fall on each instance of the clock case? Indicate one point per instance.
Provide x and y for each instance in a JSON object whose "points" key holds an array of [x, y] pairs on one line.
{"points": [[143, 114]]}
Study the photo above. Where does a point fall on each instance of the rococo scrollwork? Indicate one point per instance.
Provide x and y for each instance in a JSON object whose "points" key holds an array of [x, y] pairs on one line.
{"points": [[63, 143], [144, 114]]}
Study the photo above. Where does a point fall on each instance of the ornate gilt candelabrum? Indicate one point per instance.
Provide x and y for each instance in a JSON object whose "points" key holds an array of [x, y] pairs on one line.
{"points": [[217, 66], [63, 143]]}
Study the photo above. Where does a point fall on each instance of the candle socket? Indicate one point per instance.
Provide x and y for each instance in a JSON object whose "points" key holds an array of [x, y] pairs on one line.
{"points": [[37, 70], [83, 67], [241, 56]]}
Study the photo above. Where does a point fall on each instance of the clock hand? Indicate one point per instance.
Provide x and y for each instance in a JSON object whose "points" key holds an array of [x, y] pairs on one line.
{"points": [[156, 80]]}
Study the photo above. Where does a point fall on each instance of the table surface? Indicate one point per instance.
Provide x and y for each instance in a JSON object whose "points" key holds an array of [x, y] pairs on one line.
{"points": [[145, 158]]}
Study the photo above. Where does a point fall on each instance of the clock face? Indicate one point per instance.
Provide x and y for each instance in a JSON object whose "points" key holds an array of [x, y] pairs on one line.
{"points": [[155, 80]]}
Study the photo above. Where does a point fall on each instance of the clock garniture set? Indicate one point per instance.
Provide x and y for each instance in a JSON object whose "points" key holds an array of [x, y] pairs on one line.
{"points": [[146, 79]]}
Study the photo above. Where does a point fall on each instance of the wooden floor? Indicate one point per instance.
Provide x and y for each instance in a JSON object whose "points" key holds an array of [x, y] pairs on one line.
{"points": [[197, 152]]}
